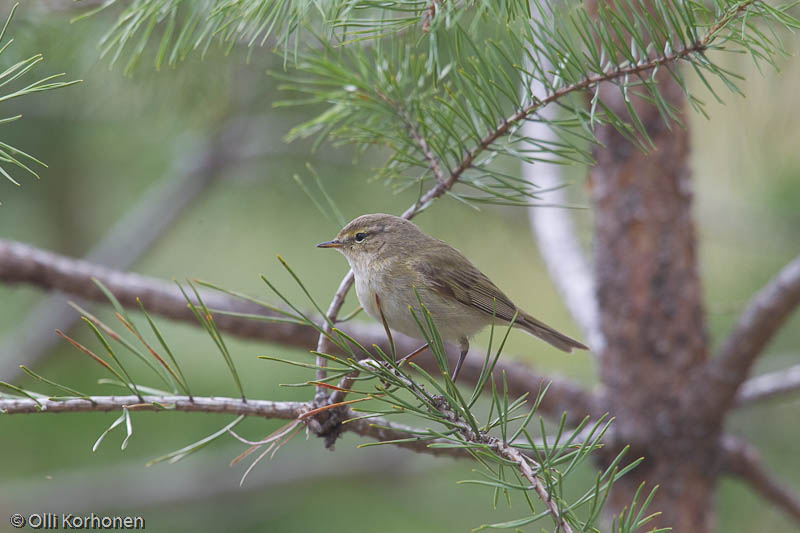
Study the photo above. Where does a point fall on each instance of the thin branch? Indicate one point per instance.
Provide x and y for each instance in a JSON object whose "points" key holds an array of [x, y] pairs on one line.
{"points": [[742, 460], [442, 186], [418, 138], [506, 124], [468, 159], [22, 263], [433, 161], [197, 404], [763, 317], [345, 384], [323, 343], [194, 168], [374, 428], [382, 430], [507, 451], [513, 454], [770, 385]]}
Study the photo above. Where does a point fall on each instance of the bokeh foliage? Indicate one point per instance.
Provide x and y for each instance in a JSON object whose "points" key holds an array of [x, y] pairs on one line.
{"points": [[154, 107]]}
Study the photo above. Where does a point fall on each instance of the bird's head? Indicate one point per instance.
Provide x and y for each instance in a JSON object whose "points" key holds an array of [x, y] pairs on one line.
{"points": [[366, 236]]}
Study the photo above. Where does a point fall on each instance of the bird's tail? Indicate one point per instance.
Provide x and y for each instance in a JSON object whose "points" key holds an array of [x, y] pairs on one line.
{"points": [[546, 333]]}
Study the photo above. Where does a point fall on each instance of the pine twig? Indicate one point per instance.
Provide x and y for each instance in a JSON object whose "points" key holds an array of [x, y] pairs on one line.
{"points": [[513, 454], [197, 404], [507, 451], [323, 343], [373, 428]]}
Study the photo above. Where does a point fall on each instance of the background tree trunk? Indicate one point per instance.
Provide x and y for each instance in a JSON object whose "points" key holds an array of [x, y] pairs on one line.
{"points": [[650, 302]]}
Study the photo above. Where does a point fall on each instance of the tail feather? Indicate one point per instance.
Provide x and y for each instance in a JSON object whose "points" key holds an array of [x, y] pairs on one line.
{"points": [[547, 334]]}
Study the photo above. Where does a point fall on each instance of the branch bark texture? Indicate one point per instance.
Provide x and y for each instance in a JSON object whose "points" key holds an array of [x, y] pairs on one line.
{"points": [[651, 313], [374, 428]]}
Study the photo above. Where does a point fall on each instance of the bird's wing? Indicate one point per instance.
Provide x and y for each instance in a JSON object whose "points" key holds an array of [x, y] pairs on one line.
{"points": [[454, 276]]}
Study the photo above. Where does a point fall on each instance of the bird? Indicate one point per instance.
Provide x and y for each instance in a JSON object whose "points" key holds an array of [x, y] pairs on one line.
{"points": [[396, 265]]}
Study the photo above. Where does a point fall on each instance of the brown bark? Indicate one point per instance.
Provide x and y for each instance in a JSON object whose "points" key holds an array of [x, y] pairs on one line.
{"points": [[649, 297]]}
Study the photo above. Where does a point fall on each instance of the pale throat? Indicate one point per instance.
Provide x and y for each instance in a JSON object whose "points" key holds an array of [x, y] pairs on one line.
{"points": [[365, 290]]}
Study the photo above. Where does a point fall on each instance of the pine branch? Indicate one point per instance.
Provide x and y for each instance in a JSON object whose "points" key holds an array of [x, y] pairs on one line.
{"points": [[469, 158], [22, 263], [768, 386], [741, 459], [197, 404], [418, 137], [9, 154], [765, 314], [514, 455], [589, 82], [522, 462], [323, 342], [374, 428]]}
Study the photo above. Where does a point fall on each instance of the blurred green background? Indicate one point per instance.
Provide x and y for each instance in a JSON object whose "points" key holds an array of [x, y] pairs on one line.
{"points": [[111, 138]]}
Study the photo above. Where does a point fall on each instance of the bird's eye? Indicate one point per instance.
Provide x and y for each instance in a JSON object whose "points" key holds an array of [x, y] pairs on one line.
{"points": [[360, 237]]}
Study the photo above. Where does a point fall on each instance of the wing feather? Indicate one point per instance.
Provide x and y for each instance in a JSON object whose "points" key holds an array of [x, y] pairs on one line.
{"points": [[449, 273], [460, 280]]}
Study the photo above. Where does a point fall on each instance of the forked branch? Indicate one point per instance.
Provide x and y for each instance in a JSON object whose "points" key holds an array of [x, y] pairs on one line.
{"points": [[505, 126], [765, 314], [741, 459]]}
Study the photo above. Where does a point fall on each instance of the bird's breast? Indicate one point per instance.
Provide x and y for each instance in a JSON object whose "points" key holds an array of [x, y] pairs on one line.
{"points": [[395, 286], [382, 279], [366, 294]]}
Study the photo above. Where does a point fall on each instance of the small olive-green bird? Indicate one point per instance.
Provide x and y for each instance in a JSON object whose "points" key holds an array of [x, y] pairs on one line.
{"points": [[391, 257]]}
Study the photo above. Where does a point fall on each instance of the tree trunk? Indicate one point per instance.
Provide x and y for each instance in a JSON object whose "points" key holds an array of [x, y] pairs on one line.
{"points": [[650, 304]]}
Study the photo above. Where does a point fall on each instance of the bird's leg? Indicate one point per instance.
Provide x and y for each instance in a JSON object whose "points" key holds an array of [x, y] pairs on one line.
{"points": [[464, 349], [385, 325], [414, 353]]}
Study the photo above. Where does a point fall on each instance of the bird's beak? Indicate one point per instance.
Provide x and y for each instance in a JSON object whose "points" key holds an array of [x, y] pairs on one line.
{"points": [[330, 244]]}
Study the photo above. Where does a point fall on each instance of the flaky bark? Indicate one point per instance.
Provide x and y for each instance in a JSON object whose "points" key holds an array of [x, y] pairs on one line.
{"points": [[652, 317]]}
